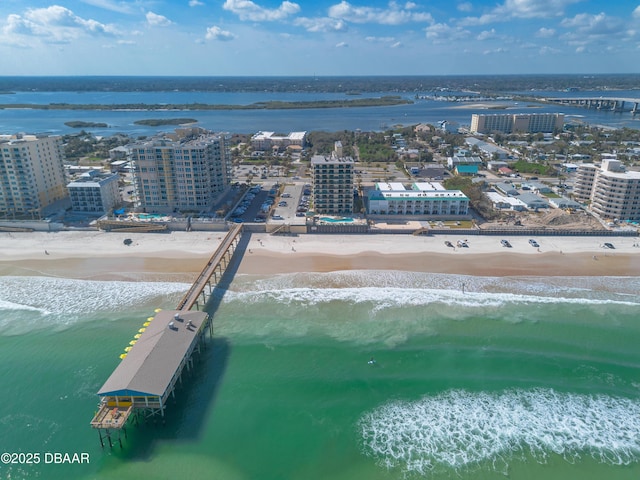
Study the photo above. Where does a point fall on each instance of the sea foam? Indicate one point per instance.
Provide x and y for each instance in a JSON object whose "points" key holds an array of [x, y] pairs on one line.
{"points": [[464, 430], [39, 302]]}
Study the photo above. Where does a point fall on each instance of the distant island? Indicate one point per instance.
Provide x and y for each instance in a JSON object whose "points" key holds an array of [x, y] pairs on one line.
{"points": [[156, 122], [385, 101], [81, 124]]}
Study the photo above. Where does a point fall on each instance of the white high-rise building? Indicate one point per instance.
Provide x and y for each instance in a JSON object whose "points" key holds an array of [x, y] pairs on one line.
{"points": [[181, 175], [32, 175], [613, 193], [95, 192]]}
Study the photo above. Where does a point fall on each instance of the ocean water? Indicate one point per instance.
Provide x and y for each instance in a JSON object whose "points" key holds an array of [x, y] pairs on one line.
{"points": [[523, 378]]}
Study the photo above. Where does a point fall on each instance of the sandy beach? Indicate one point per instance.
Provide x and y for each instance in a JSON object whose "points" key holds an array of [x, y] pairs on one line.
{"points": [[180, 255]]}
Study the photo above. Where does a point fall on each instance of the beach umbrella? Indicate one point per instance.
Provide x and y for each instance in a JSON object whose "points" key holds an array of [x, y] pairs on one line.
{"points": [[137, 336], [122, 356], [141, 330], [132, 342], [149, 319], [127, 349], [146, 324], [158, 310]]}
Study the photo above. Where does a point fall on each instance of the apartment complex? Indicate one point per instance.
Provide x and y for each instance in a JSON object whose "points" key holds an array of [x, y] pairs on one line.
{"points": [[332, 184], [517, 123], [181, 174], [94, 192], [610, 191], [32, 175], [423, 198], [268, 140]]}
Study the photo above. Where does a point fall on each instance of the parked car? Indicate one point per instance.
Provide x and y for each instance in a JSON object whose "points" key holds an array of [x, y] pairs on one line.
{"points": [[505, 243], [533, 243], [609, 245]]}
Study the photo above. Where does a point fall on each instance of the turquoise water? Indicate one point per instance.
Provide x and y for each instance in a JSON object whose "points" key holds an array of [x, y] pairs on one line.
{"points": [[336, 220], [524, 377]]}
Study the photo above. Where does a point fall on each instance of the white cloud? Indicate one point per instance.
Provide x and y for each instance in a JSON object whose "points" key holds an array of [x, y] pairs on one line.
{"points": [[636, 12], [549, 51], [545, 32], [534, 8], [321, 24], [342, 45], [511, 9], [216, 33], [394, 15], [54, 24], [380, 39], [465, 7], [600, 24], [487, 34], [121, 7], [248, 10], [195, 3], [156, 20], [441, 32], [397, 45], [495, 51]]}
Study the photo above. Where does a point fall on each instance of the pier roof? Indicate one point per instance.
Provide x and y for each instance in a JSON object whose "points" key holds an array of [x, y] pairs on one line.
{"points": [[152, 362]]}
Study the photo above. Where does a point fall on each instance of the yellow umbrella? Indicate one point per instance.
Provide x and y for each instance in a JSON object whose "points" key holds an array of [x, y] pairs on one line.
{"points": [[132, 342], [158, 310], [141, 330], [149, 319], [137, 336], [122, 356], [127, 349], [146, 324]]}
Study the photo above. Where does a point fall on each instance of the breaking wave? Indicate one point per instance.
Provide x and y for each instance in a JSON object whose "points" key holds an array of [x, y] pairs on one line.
{"points": [[465, 430], [39, 302]]}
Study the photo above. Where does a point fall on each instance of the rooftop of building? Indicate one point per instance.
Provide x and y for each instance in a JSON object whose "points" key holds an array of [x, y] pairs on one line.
{"points": [[321, 159]]}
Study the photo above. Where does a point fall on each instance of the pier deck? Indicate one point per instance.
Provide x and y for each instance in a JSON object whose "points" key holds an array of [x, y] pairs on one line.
{"points": [[148, 373]]}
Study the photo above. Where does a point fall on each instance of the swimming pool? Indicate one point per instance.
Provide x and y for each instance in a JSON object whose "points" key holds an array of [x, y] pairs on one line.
{"points": [[336, 220]]}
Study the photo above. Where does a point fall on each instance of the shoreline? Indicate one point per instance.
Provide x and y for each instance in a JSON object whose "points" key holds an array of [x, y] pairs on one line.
{"points": [[180, 256]]}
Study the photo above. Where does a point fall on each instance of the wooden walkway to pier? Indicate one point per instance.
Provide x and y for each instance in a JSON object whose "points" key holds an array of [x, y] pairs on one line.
{"points": [[152, 367], [214, 267]]}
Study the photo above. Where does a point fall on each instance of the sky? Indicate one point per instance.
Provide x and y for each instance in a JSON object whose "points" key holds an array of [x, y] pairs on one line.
{"points": [[318, 37]]}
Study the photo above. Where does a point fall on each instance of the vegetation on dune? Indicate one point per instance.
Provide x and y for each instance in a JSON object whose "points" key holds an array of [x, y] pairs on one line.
{"points": [[81, 124]]}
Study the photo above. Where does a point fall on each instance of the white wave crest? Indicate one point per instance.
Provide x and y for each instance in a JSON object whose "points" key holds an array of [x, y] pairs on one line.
{"points": [[383, 297], [41, 302], [460, 429]]}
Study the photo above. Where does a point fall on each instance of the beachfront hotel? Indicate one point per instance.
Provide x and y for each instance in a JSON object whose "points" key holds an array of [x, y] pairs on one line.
{"points": [[268, 140], [612, 192], [332, 184], [94, 192], [33, 175], [423, 199], [181, 174], [517, 123]]}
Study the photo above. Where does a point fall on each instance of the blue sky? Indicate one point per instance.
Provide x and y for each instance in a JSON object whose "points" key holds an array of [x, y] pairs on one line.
{"points": [[318, 37]]}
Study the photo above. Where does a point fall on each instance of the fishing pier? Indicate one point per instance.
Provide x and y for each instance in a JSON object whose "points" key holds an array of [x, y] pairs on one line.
{"points": [[153, 364]]}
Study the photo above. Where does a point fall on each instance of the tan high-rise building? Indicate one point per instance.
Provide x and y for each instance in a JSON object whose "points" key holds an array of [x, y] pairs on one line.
{"points": [[517, 123], [32, 174], [181, 175]]}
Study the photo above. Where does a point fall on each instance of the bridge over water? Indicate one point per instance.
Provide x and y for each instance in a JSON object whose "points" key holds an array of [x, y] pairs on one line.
{"points": [[615, 104]]}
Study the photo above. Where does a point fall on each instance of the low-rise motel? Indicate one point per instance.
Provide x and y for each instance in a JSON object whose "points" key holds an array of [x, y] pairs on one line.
{"points": [[423, 198]]}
